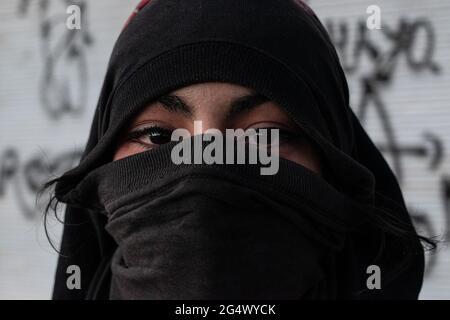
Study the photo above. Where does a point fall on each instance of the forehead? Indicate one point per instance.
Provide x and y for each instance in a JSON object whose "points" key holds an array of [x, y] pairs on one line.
{"points": [[209, 97], [212, 90]]}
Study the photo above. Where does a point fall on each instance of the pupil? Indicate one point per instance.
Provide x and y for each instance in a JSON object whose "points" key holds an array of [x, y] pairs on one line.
{"points": [[159, 137]]}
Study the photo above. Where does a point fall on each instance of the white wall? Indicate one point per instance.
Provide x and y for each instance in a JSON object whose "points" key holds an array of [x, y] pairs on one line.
{"points": [[47, 101]]}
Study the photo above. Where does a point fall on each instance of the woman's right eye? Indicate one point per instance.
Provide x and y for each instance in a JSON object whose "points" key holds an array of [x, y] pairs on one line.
{"points": [[150, 136]]}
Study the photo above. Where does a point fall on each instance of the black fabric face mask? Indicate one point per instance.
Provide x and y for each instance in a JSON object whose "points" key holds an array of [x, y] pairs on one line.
{"points": [[221, 231]]}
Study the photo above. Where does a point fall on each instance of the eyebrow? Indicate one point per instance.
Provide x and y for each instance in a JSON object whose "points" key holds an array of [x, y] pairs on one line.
{"points": [[245, 104], [240, 105], [174, 103]]}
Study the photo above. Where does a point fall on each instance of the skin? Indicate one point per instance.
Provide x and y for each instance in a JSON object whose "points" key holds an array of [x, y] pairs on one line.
{"points": [[217, 106]]}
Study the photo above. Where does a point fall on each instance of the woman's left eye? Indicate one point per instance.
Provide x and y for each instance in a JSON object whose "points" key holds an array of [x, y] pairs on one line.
{"points": [[150, 136], [271, 136]]}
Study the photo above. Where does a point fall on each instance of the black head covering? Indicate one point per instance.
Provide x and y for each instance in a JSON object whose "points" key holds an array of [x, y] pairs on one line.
{"points": [[280, 49]]}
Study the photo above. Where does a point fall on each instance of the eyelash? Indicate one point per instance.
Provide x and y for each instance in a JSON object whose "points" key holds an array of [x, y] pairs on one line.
{"points": [[285, 136], [137, 134]]}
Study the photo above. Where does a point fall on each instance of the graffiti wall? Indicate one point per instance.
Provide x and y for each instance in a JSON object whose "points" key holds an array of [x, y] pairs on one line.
{"points": [[399, 82], [50, 78]]}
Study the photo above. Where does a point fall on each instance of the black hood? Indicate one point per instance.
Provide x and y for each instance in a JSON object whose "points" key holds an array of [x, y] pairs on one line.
{"points": [[280, 49]]}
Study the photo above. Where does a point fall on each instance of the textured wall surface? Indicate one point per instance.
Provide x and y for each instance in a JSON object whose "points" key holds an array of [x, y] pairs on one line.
{"points": [[50, 78]]}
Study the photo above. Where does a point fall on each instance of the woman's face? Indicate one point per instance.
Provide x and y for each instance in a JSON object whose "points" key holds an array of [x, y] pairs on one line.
{"points": [[220, 106]]}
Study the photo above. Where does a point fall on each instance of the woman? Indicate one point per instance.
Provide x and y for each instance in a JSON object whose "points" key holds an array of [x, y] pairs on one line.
{"points": [[141, 226]]}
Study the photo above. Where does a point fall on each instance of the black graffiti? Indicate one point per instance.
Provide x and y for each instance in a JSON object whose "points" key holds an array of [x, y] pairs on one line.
{"points": [[430, 149], [24, 179], [63, 86], [399, 43]]}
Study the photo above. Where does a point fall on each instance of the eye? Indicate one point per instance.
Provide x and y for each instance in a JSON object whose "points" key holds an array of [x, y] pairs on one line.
{"points": [[268, 136], [150, 136]]}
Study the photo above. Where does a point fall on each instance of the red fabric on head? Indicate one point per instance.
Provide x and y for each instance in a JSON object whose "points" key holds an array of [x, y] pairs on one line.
{"points": [[141, 4]]}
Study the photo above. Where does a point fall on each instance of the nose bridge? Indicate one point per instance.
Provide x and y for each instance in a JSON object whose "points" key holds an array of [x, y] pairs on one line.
{"points": [[202, 124], [210, 114], [213, 123]]}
